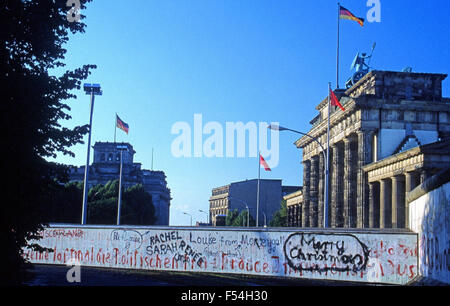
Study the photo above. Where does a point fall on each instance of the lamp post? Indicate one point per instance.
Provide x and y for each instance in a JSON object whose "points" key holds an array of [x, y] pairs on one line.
{"points": [[326, 168], [120, 148], [207, 215], [188, 215], [246, 206], [92, 90]]}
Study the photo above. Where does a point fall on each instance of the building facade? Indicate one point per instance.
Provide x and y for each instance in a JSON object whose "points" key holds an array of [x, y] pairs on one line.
{"points": [[240, 195], [106, 167], [385, 113], [294, 203], [391, 179]]}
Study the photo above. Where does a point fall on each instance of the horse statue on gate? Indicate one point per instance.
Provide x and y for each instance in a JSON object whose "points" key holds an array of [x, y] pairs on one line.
{"points": [[360, 66]]}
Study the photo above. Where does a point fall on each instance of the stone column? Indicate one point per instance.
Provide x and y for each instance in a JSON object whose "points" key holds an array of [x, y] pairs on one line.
{"points": [[364, 158], [306, 190], [350, 153], [298, 215], [410, 184], [337, 182], [321, 201], [398, 202], [289, 215], [313, 191], [385, 203], [330, 186], [374, 205], [424, 175]]}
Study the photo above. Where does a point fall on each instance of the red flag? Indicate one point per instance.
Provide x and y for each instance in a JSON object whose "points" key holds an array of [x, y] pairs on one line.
{"points": [[263, 163], [335, 101]]}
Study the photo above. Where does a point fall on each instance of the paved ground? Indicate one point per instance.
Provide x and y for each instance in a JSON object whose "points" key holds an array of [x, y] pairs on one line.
{"points": [[52, 275]]}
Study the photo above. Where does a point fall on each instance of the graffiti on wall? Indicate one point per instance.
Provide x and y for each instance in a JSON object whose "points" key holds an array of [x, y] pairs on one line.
{"points": [[430, 218], [309, 252], [337, 256]]}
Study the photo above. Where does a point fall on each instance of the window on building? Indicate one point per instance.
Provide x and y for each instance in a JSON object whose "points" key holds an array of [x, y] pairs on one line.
{"points": [[102, 157], [110, 157]]}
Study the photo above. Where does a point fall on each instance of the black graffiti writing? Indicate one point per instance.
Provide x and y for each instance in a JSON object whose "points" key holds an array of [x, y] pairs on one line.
{"points": [[206, 240], [126, 239], [325, 252], [162, 249], [260, 242], [188, 254], [163, 243], [297, 253], [164, 237]]}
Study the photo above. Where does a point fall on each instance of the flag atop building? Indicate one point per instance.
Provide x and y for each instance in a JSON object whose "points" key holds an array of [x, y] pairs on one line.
{"points": [[121, 124], [343, 13], [335, 100], [263, 163], [346, 14]]}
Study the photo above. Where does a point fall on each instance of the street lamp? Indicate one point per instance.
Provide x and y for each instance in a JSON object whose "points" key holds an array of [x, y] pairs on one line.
{"points": [[246, 206], [120, 148], [207, 215], [326, 172], [92, 90], [188, 215]]}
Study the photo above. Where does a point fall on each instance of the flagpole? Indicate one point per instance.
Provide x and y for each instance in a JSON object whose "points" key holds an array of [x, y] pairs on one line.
{"points": [[337, 53], [257, 189], [152, 159], [327, 167]]}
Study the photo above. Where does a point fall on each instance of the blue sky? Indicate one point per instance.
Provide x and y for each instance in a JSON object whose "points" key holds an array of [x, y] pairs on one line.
{"points": [[160, 62]]}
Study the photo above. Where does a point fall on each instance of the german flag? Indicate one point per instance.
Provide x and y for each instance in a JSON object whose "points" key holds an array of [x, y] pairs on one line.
{"points": [[121, 124], [346, 14]]}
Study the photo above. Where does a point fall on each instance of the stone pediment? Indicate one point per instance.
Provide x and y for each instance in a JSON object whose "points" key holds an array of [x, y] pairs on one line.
{"points": [[434, 155], [410, 141]]}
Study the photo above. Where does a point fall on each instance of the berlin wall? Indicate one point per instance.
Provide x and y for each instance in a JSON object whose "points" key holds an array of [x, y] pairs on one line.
{"points": [[335, 254], [430, 218]]}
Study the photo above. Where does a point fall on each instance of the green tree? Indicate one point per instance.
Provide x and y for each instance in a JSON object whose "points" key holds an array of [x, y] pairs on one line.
{"points": [[241, 219], [234, 218], [231, 216], [31, 46], [64, 205], [137, 205], [102, 211], [280, 217]]}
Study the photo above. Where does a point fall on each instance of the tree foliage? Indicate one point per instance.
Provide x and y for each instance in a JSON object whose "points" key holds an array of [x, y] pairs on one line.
{"points": [[231, 216], [137, 205], [65, 204], [280, 217], [234, 218], [32, 109]]}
